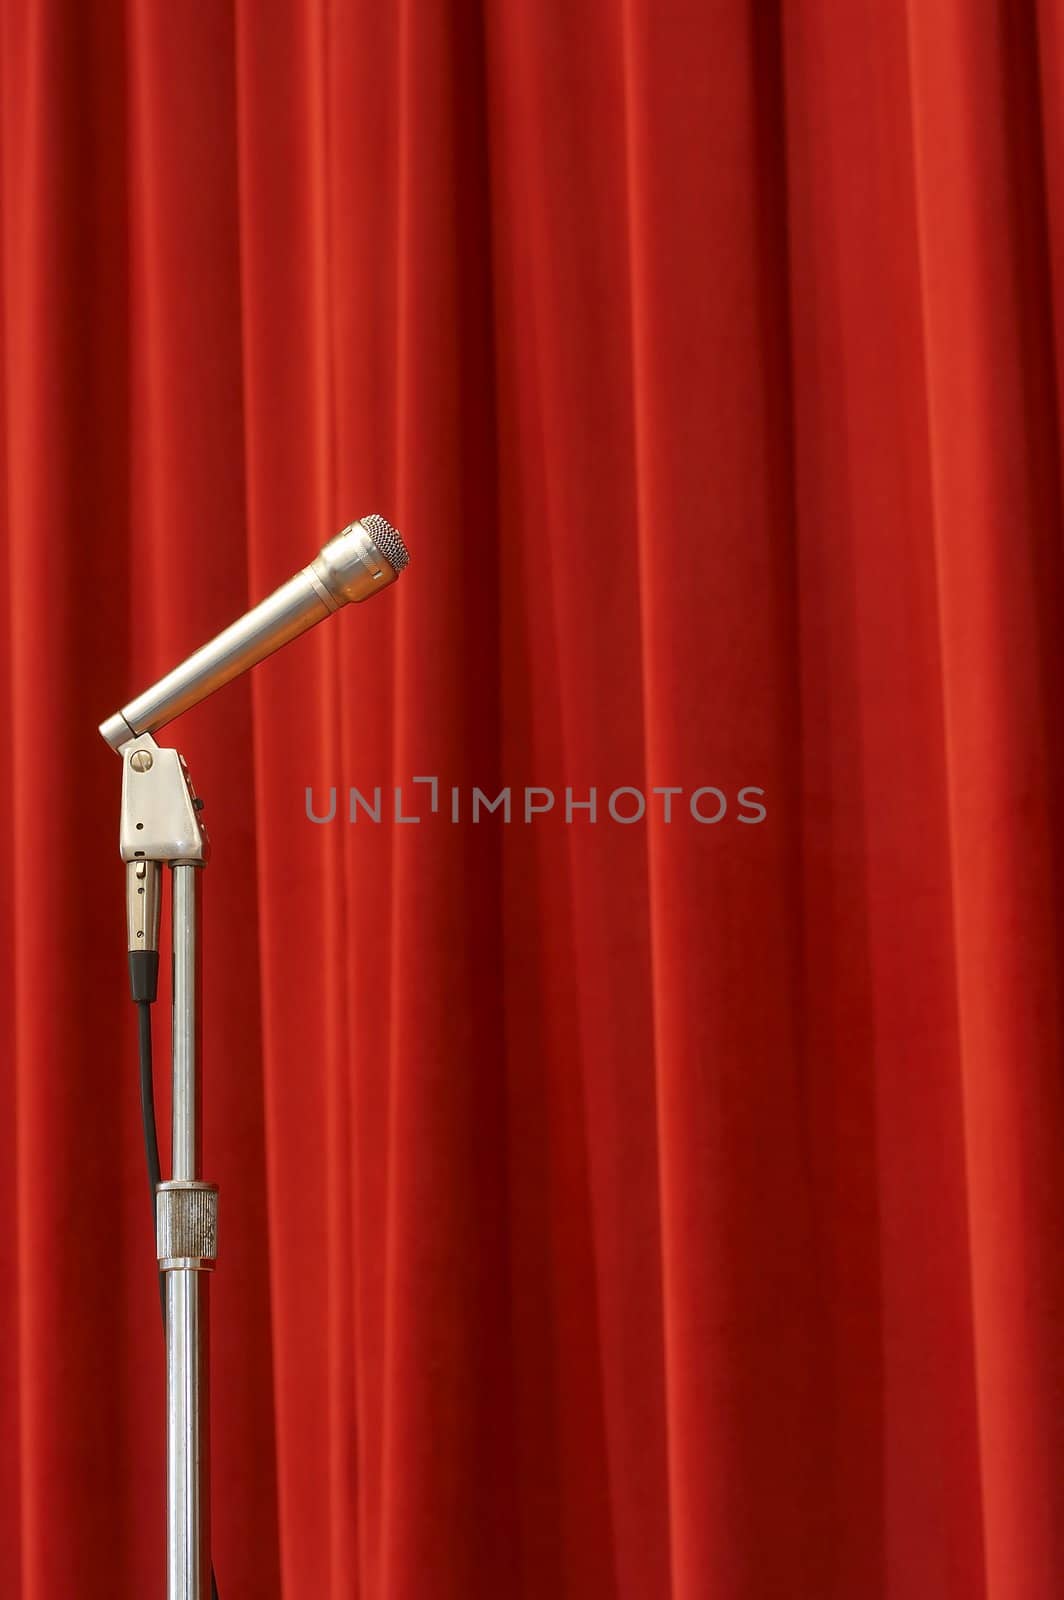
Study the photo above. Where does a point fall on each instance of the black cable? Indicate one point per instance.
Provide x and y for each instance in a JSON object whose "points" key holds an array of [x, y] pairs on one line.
{"points": [[147, 1113], [151, 1150]]}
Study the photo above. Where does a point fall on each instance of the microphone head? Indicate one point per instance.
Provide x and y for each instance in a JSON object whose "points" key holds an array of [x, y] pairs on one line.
{"points": [[365, 558], [388, 541]]}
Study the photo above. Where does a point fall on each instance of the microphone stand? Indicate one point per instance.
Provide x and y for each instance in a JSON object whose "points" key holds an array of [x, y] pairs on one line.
{"points": [[160, 824]]}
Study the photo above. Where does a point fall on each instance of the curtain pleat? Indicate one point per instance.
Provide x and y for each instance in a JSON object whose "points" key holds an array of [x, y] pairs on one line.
{"points": [[609, 1208]]}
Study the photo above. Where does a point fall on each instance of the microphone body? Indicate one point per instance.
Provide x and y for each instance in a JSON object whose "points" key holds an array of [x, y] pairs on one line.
{"points": [[359, 562]]}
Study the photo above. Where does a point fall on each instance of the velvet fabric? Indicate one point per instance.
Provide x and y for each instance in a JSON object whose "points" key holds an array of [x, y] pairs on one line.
{"points": [[610, 1209]]}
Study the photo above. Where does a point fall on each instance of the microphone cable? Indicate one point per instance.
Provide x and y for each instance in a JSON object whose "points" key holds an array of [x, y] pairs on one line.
{"points": [[147, 1117], [144, 983]]}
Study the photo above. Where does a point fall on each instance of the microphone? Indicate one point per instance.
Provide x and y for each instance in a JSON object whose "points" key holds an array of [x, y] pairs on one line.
{"points": [[361, 561]]}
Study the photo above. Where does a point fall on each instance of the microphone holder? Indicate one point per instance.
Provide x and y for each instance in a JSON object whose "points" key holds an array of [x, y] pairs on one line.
{"points": [[160, 825]]}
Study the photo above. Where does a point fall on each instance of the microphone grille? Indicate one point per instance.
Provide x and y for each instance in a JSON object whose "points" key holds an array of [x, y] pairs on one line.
{"points": [[388, 541]]}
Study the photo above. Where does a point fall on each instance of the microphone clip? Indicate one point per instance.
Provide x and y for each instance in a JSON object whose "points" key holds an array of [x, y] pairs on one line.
{"points": [[160, 808], [160, 822]]}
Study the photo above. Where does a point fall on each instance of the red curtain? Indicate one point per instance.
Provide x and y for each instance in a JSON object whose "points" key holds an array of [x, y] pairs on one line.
{"points": [[652, 1210]]}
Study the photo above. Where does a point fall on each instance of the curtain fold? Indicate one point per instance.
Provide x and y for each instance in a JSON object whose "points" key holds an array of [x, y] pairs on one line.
{"points": [[614, 1202]]}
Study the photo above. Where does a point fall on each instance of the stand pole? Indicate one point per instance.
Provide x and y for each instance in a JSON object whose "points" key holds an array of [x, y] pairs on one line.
{"points": [[186, 1222], [160, 823]]}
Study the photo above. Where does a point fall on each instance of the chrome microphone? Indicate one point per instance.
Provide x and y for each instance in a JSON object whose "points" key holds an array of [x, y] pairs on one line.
{"points": [[361, 561]]}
